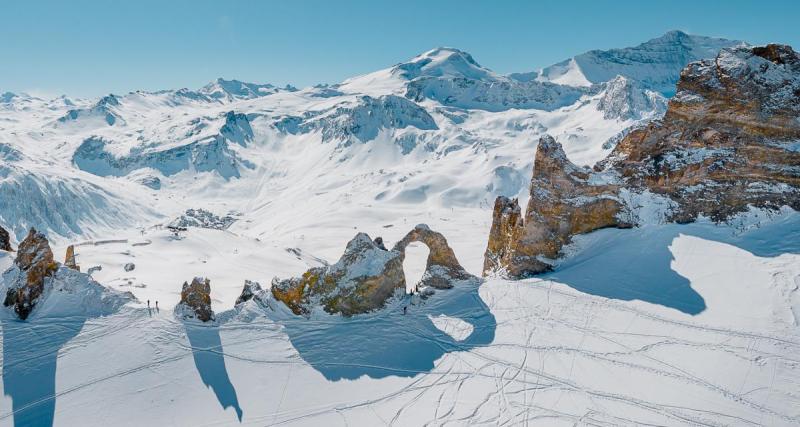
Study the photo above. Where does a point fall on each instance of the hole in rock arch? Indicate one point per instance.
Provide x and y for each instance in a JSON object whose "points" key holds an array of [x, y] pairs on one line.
{"points": [[414, 263]]}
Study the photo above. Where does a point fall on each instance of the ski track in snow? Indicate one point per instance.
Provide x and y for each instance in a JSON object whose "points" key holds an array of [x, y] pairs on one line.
{"points": [[299, 173], [559, 357]]}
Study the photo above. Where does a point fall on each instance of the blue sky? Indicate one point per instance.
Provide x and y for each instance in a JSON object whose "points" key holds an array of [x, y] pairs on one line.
{"points": [[89, 48]]}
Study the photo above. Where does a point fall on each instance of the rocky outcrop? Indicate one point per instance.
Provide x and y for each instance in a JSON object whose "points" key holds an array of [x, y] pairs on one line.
{"points": [[367, 275], [5, 240], [69, 259], [35, 263], [196, 299], [728, 142], [442, 269], [251, 289], [504, 235], [361, 281]]}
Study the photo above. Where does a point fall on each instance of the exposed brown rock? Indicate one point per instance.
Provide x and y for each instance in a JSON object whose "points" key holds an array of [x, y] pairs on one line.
{"points": [[442, 268], [504, 235], [726, 143], [35, 263], [5, 240], [196, 296], [69, 259], [361, 281], [367, 275]]}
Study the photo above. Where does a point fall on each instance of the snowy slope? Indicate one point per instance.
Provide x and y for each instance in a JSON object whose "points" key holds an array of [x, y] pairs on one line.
{"points": [[557, 356], [294, 174], [656, 63]]}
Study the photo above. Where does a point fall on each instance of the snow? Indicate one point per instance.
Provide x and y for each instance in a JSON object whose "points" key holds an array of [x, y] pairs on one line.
{"points": [[555, 355], [656, 63], [661, 324], [453, 326]]}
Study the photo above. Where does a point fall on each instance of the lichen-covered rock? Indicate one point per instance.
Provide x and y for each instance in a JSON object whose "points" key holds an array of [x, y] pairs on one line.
{"points": [[728, 142], [368, 274], [250, 290], [69, 259], [361, 281], [442, 269], [196, 299], [35, 263], [5, 240], [565, 200], [504, 235]]}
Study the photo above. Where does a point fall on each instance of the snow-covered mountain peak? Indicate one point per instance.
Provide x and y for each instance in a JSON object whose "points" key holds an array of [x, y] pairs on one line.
{"points": [[656, 63], [443, 62], [229, 90]]}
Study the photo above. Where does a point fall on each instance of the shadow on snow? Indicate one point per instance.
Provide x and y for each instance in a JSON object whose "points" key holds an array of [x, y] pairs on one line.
{"points": [[636, 264], [30, 355], [387, 342], [209, 360]]}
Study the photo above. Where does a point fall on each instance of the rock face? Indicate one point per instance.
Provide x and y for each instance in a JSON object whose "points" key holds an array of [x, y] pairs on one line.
{"points": [[5, 240], [251, 289], [504, 235], [727, 142], [35, 262], [367, 275], [196, 296], [69, 259], [362, 280], [442, 268]]}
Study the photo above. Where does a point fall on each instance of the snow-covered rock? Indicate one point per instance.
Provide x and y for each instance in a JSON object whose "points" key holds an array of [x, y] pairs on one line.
{"points": [[230, 90], [106, 109], [203, 219], [626, 99], [205, 155], [360, 120]]}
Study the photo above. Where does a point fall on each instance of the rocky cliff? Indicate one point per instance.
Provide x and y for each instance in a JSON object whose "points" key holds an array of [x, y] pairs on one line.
{"points": [[35, 263], [728, 142]]}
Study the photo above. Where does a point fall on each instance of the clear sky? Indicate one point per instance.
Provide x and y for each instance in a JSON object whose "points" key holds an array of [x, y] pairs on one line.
{"points": [[89, 48]]}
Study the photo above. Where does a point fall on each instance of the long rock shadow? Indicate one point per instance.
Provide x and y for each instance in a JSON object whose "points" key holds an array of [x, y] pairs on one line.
{"points": [[387, 342], [636, 264], [209, 360], [30, 355]]}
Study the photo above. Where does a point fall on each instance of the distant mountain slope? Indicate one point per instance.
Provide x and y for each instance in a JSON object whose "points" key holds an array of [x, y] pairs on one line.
{"points": [[438, 131], [656, 63]]}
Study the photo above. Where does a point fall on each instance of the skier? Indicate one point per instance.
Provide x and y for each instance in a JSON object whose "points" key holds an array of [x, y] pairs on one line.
{"points": [[157, 305], [404, 310], [148, 303]]}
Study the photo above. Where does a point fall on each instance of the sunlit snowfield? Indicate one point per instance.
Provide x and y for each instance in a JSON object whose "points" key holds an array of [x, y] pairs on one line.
{"points": [[663, 324], [717, 344]]}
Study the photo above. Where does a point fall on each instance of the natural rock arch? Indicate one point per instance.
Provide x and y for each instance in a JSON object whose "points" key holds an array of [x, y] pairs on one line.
{"points": [[442, 267], [368, 274]]}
